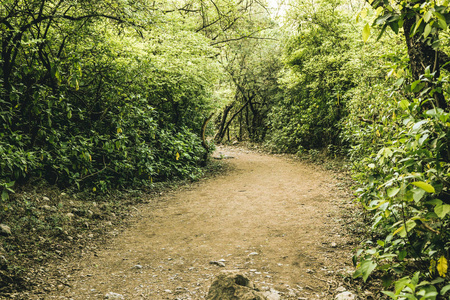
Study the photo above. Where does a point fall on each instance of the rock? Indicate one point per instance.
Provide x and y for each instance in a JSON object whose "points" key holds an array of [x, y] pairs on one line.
{"points": [[3, 262], [217, 263], [5, 229], [333, 245], [137, 267], [47, 207], [345, 296], [340, 289], [114, 296], [253, 253], [272, 295], [232, 285]]}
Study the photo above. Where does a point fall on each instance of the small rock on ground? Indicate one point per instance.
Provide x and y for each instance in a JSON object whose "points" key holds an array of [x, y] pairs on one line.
{"points": [[114, 296], [5, 229], [231, 285], [345, 296]]}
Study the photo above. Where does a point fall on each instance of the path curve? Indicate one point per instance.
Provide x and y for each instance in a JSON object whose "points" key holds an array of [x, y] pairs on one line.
{"points": [[273, 218]]}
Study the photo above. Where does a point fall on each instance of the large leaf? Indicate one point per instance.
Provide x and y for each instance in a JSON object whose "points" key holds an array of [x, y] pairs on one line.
{"points": [[441, 20], [424, 186], [366, 32], [391, 192], [427, 30], [427, 16], [445, 289], [442, 210], [442, 266], [365, 269]]}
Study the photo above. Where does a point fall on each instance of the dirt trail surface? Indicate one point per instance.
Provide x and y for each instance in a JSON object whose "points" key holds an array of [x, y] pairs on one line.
{"points": [[275, 219]]}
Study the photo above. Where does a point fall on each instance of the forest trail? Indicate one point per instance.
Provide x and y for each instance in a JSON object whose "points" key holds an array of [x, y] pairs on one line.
{"points": [[273, 218]]}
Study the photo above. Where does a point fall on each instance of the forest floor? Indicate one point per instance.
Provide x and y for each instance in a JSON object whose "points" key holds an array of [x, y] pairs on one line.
{"points": [[280, 221]]}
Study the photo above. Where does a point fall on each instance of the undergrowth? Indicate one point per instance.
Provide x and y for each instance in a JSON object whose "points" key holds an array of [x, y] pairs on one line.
{"points": [[50, 225]]}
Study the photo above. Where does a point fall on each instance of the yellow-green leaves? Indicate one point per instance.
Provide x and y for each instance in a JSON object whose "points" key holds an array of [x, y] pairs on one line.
{"points": [[424, 186], [402, 231], [442, 210], [427, 30], [427, 16], [417, 26], [442, 266], [366, 32]]}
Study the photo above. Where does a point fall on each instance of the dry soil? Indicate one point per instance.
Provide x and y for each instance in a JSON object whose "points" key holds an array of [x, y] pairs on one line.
{"points": [[275, 219]]}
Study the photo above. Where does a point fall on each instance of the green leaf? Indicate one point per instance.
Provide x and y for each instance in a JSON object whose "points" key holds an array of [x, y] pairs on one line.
{"points": [[416, 27], [404, 104], [392, 192], [434, 202], [10, 184], [382, 19], [427, 16], [402, 254], [445, 289], [424, 186], [381, 32], [394, 26], [366, 32], [399, 83], [442, 210], [427, 30], [5, 195], [418, 194], [441, 20], [417, 85], [367, 267], [390, 294]]}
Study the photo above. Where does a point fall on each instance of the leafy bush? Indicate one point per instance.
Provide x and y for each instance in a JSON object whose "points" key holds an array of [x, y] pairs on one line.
{"points": [[405, 186], [94, 103]]}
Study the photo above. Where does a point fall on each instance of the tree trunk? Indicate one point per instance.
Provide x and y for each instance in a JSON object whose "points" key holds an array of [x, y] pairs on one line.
{"points": [[421, 56], [221, 134], [205, 145]]}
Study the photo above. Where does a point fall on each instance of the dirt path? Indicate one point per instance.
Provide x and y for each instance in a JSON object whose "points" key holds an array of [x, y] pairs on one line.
{"points": [[275, 219]]}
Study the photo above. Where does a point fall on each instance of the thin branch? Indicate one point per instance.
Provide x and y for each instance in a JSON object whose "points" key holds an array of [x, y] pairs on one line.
{"points": [[244, 37]]}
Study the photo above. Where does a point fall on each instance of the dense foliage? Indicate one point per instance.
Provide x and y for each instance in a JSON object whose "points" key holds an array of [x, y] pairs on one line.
{"points": [[107, 94], [382, 102]]}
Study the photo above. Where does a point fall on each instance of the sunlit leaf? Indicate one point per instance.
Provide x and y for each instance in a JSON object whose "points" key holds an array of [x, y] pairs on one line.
{"points": [[445, 289], [366, 32], [442, 210], [391, 192], [365, 269], [442, 266], [424, 186], [427, 30]]}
